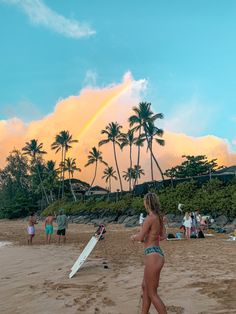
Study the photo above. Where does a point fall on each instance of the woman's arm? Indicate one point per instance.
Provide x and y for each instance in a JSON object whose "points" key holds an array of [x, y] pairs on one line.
{"points": [[163, 234], [142, 233]]}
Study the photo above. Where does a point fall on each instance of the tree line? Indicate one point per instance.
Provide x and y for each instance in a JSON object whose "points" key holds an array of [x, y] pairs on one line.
{"points": [[27, 178]]}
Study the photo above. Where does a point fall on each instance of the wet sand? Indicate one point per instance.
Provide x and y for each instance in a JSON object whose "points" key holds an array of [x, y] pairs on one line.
{"points": [[199, 276]]}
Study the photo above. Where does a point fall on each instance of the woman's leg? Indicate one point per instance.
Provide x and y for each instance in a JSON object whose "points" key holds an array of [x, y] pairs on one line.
{"points": [[154, 264], [146, 301], [188, 232]]}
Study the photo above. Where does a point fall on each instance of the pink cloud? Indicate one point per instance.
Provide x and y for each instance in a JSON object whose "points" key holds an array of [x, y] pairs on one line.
{"points": [[88, 113]]}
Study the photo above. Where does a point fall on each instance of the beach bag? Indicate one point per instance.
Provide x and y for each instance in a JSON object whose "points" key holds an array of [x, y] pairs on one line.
{"points": [[170, 236], [178, 235], [221, 230], [200, 234]]}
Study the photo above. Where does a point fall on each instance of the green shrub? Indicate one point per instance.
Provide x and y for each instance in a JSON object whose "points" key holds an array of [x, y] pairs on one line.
{"points": [[213, 197]]}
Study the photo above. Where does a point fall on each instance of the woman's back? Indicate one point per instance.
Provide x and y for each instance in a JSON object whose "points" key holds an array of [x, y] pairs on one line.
{"points": [[155, 231]]}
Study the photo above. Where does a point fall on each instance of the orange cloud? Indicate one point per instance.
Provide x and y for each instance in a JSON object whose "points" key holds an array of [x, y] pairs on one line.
{"points": [[88, 113]]}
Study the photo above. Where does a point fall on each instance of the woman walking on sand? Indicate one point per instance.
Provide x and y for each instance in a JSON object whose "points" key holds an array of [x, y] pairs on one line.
{"points": [[151, 233]]}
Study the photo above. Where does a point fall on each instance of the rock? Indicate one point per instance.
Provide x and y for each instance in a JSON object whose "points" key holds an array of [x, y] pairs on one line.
{"points": [[131, 212], [221, 220], [170, 217], [178, 218], [97, 222], [121, 219], [229, 228], [111, 219], [132, 222], [78, 219], [173, 225], [82, 219], [214, 226], [128, 219], [234, 222]]}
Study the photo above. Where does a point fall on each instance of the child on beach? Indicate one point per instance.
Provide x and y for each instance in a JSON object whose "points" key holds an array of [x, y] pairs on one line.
{"points": [[49, 227], [31, 228], [187, 222], [152, 231]]}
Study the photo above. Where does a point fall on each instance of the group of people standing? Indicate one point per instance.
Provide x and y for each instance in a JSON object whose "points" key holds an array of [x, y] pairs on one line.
{"points": [[62, 224], [191, 224]]}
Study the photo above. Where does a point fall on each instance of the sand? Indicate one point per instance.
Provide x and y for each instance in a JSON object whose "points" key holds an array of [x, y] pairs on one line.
{"points": [[199, 275]]}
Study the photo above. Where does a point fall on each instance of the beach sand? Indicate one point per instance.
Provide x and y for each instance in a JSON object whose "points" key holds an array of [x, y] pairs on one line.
{"points": [[199, 276]]}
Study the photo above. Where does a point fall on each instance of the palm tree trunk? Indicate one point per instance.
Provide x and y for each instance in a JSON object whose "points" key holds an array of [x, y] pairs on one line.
{"points": [[109, 189], [156, 162], [117, 168], [63, 175], [41, 183], [51, 196], [151, 161], [71, 188], [59, 189], [138, 161], [130, 158], [110, 185], [94, 177]]}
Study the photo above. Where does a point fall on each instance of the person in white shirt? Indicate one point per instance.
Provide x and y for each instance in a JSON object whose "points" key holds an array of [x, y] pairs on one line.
{"points": [[187, 222]]}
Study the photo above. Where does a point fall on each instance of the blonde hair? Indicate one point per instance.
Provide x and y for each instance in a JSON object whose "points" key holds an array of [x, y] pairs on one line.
{"points": [[187, 215], [152, 203]]}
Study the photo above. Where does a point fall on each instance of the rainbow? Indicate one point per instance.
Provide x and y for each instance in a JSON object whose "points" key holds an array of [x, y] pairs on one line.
{"points": [[105, 104]]}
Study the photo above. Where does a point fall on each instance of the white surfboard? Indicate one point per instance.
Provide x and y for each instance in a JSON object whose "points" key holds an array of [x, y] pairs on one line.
{"points": [[85, 253]]}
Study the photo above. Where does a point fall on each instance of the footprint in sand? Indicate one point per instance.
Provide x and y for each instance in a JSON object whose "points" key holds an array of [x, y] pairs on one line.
{"points": [[108, 301], [33, 273], [175, 309], [69, 304]]}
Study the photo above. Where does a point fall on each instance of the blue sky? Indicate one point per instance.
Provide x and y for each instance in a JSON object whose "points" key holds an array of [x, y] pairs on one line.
{"points": [[185, 49]]}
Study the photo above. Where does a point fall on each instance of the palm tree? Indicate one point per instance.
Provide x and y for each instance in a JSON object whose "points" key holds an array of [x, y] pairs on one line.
{"points": [[70, 166], [34, 150], [139, 143], [109, 173], [143, 116], [62, 143], [129, 175], [153, 133], [138, 171], [113, 133], [94, 156], [128, 139], [51, 177]]}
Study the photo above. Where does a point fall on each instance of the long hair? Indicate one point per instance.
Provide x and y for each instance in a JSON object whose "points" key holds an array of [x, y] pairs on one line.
{"points": [[152, 203]]}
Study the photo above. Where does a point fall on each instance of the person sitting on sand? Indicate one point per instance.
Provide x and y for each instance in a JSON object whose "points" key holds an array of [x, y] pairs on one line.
{"points": [[152, 231], [49, 227], [62, 223], [31, 228]]}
